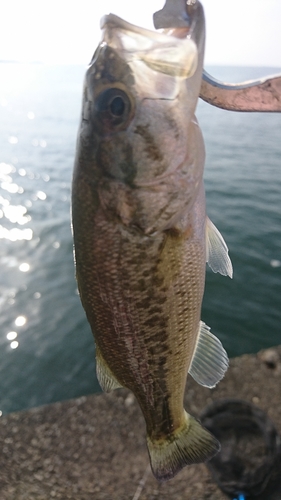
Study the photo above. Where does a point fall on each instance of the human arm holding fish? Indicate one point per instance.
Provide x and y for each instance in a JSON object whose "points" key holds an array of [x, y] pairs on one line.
{"points": [[140, 229]]}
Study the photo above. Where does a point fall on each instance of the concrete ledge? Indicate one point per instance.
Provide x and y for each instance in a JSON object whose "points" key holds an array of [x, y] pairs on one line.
{"points": [[93, 448]]}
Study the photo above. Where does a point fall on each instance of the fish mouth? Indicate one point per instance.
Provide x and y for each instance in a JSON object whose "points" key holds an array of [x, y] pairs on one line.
{"points": [[171, 52]]}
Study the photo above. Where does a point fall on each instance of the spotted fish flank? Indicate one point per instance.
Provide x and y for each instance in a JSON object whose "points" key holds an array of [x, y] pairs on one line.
{"points": [[140, 230]]}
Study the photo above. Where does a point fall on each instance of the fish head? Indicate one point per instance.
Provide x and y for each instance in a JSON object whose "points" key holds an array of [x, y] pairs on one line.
{"points": [[140, 95]]}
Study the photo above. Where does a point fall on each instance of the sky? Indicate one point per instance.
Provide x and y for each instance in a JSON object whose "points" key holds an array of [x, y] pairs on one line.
{"points": [[239, 33]]}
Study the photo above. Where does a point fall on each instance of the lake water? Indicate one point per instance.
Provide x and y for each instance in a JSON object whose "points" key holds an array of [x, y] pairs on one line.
{"points": [[46, 346]]}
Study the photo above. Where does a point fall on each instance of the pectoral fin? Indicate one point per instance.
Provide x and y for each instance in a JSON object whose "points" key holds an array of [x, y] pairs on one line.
{"points": [[217, 251], [210, 360], [105, 376]]}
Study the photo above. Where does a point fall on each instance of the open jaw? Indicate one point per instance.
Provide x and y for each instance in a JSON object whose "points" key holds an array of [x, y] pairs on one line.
{"points": [[170, 52]]}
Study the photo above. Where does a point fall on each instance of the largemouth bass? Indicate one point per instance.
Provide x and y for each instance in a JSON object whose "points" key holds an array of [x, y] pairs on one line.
{"points": [[141, 234]]}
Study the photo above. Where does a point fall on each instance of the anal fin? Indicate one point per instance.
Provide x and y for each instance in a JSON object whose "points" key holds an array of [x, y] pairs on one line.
{"points": [[106, 379], [210, 360]]}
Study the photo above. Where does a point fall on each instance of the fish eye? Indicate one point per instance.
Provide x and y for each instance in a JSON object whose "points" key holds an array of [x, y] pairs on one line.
{"points": [[117, 106], [113, 108]]}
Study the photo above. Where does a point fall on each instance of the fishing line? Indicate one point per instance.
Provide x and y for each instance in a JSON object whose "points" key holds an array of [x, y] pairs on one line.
{"points": [[142, 484]]}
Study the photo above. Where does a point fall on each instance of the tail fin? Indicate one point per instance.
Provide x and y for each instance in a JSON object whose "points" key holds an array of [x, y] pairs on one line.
{"points": [[191, 445]]}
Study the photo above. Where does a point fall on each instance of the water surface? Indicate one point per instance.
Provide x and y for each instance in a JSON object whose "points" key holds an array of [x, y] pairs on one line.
{"points": [[46, 347]]}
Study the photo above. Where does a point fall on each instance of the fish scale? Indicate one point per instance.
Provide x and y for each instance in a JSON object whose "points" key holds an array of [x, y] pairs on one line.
{"points": [[143, 319]]}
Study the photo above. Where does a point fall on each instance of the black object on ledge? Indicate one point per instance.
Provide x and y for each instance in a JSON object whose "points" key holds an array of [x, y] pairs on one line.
{"points": [[249, 463]]}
